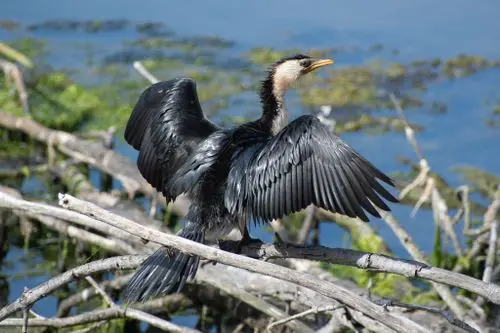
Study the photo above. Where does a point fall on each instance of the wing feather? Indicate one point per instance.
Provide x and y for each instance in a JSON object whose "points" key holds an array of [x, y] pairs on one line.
{"points": [[304, 164], [166, 125]]}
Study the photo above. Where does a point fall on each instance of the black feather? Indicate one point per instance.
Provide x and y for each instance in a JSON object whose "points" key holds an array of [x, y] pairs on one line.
{"points": [[306, 164]]}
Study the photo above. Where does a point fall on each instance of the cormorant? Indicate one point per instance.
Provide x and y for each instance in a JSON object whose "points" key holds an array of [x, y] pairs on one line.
{"points": [[264, 169]]}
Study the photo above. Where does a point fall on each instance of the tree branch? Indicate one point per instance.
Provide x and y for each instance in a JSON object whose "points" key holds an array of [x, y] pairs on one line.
{"points": [[314, 310], [93, 153], [100, 315], [325, 288], [445, 314], [338, 256]]}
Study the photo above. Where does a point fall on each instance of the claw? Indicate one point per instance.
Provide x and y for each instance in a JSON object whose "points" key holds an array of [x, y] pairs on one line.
{"points": [[235, 247]]}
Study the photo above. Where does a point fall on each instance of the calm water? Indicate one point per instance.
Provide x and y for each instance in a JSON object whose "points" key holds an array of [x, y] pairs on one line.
{"points": [[420, 29]]}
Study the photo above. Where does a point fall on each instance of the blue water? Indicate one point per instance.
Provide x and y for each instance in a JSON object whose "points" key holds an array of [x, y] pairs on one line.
{"points": [[418, 29]]}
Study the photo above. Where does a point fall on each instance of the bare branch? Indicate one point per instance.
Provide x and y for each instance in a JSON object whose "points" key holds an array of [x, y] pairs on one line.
{"points": [[490, 259], [13, 71], [91, 328], [440, 210], [31, 296], [338, 256], [98, 316], [306, 225], [93, 153], [445, 314], [224, 284], [34, 209], [328, 289], [314, 310], [144, 72], [100, 291]]}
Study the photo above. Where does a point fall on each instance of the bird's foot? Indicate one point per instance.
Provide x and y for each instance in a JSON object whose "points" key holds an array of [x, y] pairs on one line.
{"points": [[237, 246]]}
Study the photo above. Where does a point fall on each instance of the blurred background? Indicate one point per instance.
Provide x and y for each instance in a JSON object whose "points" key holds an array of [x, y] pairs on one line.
{"points": [[441, 60]]}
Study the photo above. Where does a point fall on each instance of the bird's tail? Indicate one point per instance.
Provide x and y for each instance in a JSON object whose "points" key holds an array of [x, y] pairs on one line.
{"points": [[164, 272]]}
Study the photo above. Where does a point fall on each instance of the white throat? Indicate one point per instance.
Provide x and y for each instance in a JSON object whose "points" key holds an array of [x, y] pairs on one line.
{"points": [[284, 76]]}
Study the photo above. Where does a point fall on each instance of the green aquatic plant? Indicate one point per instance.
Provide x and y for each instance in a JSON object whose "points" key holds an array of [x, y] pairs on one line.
{"points": [[33, 48]]}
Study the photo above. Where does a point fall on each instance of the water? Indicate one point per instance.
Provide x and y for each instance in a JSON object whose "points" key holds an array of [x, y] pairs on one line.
{"points": [[419, 29]]}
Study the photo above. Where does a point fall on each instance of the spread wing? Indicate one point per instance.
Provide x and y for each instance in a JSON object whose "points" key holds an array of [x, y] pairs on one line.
{"points": [[166, 124], [304, 164]]}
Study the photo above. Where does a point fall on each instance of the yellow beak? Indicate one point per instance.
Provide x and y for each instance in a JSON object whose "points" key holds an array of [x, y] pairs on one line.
{"points": [[318, 63]]}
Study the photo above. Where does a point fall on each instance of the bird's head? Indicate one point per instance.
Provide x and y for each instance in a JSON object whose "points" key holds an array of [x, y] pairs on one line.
{"points": [[288, 70]]}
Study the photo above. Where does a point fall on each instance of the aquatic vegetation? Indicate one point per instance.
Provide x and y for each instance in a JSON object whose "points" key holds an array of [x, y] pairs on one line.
{"points": [[30, 47], [464, 65], [9, 25], [91, 26]]}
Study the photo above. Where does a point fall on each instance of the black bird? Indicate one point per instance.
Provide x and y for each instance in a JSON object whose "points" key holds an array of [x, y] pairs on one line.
{"points": [[264, 169]]}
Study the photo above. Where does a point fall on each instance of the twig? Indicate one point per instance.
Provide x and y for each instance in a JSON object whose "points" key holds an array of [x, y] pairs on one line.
{"points": [[492, 210], [15, 55], [84, 295], [15, 73], [135, 313], [473, 307], [314, 310], [34, 209], [36, 315], [91, 328], [31, 296], [98, 316], [224, 284], [445, 314], [144, 72], [100, 291], [328, 289], [306, 224], [439, 207], [464, 199], [443, 291], [25, 320], [490, 258]]}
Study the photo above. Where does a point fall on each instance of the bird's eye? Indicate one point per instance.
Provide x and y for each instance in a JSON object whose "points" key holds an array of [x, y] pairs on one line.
{"points": [[306, 63]]}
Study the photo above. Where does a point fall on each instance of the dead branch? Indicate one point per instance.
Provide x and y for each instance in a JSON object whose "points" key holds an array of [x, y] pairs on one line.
{"points": [[31, 296], [340, 256], [490, 258], [445, 314], [144, 72], [210, 253], [93, 153], [440, 210], [34, 209], [307, 225], [12, 70], [86, 294], [98, 316], [314, 310], [224, 283]]}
